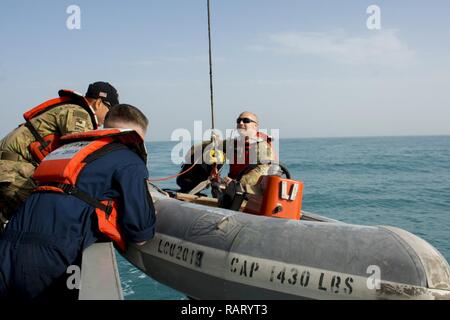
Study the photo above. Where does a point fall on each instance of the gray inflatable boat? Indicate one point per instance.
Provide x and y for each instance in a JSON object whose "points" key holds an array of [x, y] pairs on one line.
{"points": [[207, 252]]}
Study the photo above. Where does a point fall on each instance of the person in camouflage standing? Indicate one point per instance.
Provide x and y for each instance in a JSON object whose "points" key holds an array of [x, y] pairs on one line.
{"points": [[25, 147]]}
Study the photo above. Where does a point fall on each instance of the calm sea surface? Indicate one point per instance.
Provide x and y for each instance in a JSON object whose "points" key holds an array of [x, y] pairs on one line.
{"points": [[397, 181]]}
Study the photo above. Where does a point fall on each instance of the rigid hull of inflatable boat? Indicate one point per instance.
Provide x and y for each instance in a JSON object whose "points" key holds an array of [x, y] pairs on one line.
{"points": [[213, 253]]}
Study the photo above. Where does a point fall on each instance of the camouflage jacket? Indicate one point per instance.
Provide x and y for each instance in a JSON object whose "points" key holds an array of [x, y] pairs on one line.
{"points": [[262, 155], [62, 120]]}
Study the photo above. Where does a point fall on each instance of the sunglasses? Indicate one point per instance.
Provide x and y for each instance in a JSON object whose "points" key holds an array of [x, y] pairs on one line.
{"points": [[107, 104], [244, 120]]}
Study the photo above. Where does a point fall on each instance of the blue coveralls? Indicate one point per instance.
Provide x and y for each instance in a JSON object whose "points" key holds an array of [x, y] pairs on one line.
{"points": [[50, 231]]}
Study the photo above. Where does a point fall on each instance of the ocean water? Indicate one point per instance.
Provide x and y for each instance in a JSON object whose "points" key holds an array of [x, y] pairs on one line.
{"points": [[397, 181]]}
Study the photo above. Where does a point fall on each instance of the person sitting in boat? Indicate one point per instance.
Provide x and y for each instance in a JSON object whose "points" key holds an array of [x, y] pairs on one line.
{"points": [[92, 188], [250, 154], [194, 171]]}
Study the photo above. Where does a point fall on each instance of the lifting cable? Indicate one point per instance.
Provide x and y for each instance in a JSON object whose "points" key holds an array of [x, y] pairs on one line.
{"points": [[214, 171]]}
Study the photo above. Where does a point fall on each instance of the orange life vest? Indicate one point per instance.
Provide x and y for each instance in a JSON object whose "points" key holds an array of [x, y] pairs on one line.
{"points": [[46, 144], [59, 171], [237, 166]]}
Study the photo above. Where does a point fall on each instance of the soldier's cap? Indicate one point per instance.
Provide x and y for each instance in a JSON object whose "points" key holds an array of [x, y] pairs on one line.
{"points": [[104, 91]]}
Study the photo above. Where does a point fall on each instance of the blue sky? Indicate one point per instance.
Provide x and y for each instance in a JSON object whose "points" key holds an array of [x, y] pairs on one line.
{"points": [[308, 68]]}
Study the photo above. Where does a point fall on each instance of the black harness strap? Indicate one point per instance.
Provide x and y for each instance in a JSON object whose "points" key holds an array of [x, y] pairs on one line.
{"points": [[83, 196], [8, 155], [36, 135]]}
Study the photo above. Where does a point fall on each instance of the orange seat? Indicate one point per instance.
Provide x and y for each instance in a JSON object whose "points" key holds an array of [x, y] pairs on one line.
{"points": [[282, 198]]}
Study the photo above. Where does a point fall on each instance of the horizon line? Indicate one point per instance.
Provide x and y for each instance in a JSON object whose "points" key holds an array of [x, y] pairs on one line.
{"points": [[343, 137]]}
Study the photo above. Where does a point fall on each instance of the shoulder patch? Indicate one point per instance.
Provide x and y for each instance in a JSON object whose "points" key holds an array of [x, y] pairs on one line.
{"points": [[80, 121], [80, 114], [77, 121]]}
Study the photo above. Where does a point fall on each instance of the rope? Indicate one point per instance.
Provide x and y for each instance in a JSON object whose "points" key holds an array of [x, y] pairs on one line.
{"points": [[179, 174], [210, 68], [176, 175], [215, 172]]}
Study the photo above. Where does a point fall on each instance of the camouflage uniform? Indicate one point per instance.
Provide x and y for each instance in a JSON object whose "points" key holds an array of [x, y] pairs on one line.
{"points": [[15, 175], [249, 181], [263, 156]]}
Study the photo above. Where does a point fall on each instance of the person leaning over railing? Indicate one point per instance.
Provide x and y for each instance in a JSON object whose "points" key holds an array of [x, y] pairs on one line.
{"points": [[93, 187], [25, 147]]}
